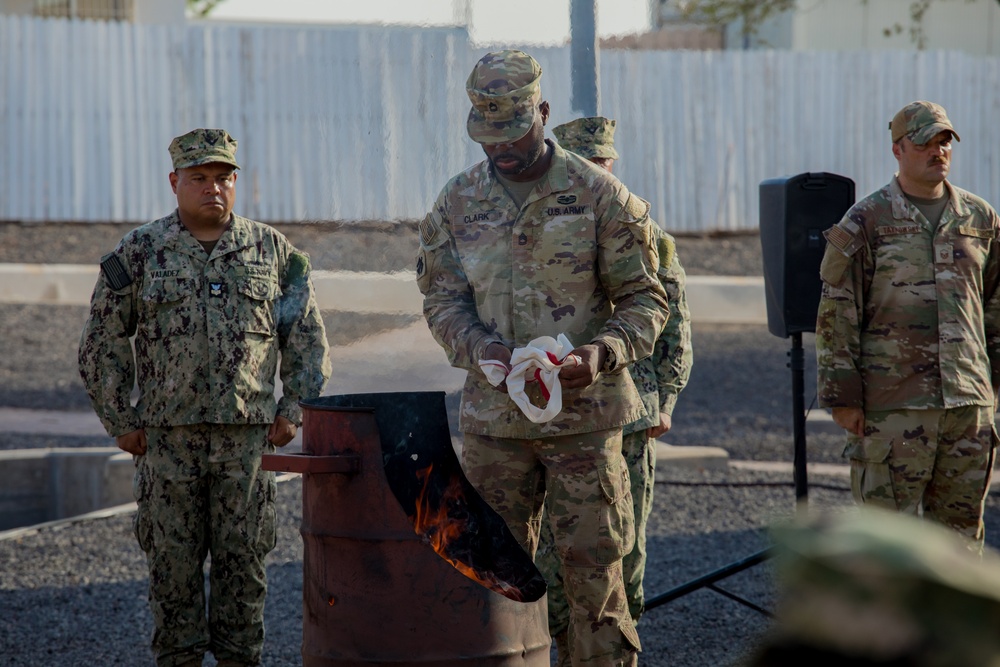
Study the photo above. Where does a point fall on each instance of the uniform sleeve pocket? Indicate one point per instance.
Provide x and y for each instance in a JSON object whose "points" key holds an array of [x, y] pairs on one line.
{"points": [[833, 269]]}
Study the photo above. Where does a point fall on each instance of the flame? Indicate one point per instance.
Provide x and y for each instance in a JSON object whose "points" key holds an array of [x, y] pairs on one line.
{"points": [[440, 529]]}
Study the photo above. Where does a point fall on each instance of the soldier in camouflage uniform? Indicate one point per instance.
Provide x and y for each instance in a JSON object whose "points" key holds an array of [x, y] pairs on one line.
{"points": [[659, 378], [879, 588], [535, 241], [908, 333], [211, 299]]}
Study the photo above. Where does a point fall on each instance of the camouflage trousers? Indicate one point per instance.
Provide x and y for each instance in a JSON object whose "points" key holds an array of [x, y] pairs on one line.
{"points": [[640, 457], [936, 463], [590, 513], [201, 493]]}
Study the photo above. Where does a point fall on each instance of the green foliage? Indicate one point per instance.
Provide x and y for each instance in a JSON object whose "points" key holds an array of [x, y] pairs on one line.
{"points": [[201, 8], [916, 29], [750, 14]]}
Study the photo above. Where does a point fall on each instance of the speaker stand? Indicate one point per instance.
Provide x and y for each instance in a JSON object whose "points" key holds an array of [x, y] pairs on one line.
{"points": [[797, 364]]}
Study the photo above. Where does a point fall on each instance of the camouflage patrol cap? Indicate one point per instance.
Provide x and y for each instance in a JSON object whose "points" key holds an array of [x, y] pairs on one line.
{"points": [[921, 122], [202, 146], [592, 137], [880, 586], [505, 92]]}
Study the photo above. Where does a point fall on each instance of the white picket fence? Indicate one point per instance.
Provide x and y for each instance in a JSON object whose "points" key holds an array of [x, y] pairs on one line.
{"points": [[366, 123]]}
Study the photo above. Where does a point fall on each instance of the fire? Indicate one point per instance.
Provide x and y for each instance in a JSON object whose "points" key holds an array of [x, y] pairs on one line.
{"points": [[442, 530]]}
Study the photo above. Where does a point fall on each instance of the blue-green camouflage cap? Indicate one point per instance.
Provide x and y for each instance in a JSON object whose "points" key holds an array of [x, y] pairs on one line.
{"points": [[920, 122], [505, 92], [592, 137], [202, 146]]}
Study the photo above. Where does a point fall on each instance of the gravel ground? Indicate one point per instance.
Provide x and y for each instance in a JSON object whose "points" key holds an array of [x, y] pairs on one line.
{"points": [[74, 594]]}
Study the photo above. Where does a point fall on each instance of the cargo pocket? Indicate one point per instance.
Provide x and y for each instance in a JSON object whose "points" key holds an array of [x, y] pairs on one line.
{"points": [[268, 536], [871, 478], [617, 523], [142, 525]]}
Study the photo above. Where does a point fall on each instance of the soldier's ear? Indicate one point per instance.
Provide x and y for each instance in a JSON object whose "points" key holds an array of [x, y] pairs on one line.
{"points": [[543, 109]]}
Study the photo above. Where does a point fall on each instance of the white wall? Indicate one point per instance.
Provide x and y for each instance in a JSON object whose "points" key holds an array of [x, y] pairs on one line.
{"points": [[970, 26], [365, 123], [159, 11]]}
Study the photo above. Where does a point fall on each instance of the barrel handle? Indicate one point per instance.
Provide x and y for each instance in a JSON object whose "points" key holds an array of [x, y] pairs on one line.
{"points": [[344, 464]]}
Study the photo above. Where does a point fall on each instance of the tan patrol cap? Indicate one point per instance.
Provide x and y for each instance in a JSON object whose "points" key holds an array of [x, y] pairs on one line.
{"points": [[921, 122], [592, 137], [203, 146], [505, 92]]}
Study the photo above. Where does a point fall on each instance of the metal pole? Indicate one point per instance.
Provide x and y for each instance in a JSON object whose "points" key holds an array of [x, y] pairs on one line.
{"points": [[708, 581], [585, 99], [797, 364]]}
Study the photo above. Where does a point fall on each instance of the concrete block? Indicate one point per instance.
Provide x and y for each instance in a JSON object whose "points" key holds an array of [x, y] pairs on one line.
{"points": [[78, 480], [24, 488], [118, 473], [717, 299], [690, 458]]}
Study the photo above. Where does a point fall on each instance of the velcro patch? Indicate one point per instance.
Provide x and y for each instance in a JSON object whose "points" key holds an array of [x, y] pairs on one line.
{"points": [[636, 207], [114, 271], [429, 232], [667, 248], [297, 269], [840, 239]]}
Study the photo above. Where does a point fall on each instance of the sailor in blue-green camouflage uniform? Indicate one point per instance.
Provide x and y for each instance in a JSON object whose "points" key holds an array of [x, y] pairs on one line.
{"points": [[908, 333], [659, 378], [536, 241], [211, 301]]}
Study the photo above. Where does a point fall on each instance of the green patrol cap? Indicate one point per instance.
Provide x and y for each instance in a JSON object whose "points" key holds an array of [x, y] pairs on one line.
{"points": [[588, 137], [505, 92], [202, 146], [882, 587], [921, 122]]}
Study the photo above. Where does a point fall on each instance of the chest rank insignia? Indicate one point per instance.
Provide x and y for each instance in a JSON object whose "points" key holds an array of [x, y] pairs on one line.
{"points": [[522, 239], [215, 289]]}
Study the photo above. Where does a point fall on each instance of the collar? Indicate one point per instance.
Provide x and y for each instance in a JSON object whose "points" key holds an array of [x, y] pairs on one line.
{"points": [[903, 208], [489, 188], [177, 237]]}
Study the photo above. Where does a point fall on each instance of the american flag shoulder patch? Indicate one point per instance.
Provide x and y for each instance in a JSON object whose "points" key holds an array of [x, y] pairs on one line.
{"points": [[839, 238], [115, 272]]}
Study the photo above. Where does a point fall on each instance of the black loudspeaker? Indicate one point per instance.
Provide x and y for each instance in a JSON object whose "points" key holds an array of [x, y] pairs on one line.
{"points": [[794, 213]]}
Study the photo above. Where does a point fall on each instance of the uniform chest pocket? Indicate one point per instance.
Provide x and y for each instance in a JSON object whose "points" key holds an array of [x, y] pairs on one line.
{"points": [[257, 297], [168, 307], [973, 243]]}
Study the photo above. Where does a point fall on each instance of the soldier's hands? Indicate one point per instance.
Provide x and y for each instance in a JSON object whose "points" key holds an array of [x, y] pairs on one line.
{"points": [[851, 420], [133, 443], [281, 432], [583, 374], [498, 352], [664, 426]]}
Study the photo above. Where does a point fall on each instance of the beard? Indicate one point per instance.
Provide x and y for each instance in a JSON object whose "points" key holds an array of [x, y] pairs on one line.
{"points": [[521, 162]]}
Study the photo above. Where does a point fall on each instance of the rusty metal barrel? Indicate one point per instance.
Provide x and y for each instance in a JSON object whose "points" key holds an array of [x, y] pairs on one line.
{"points": [[375, 591]]}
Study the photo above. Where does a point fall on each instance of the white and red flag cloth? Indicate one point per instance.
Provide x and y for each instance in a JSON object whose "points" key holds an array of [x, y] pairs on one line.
{"points": [[538, 361]]}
